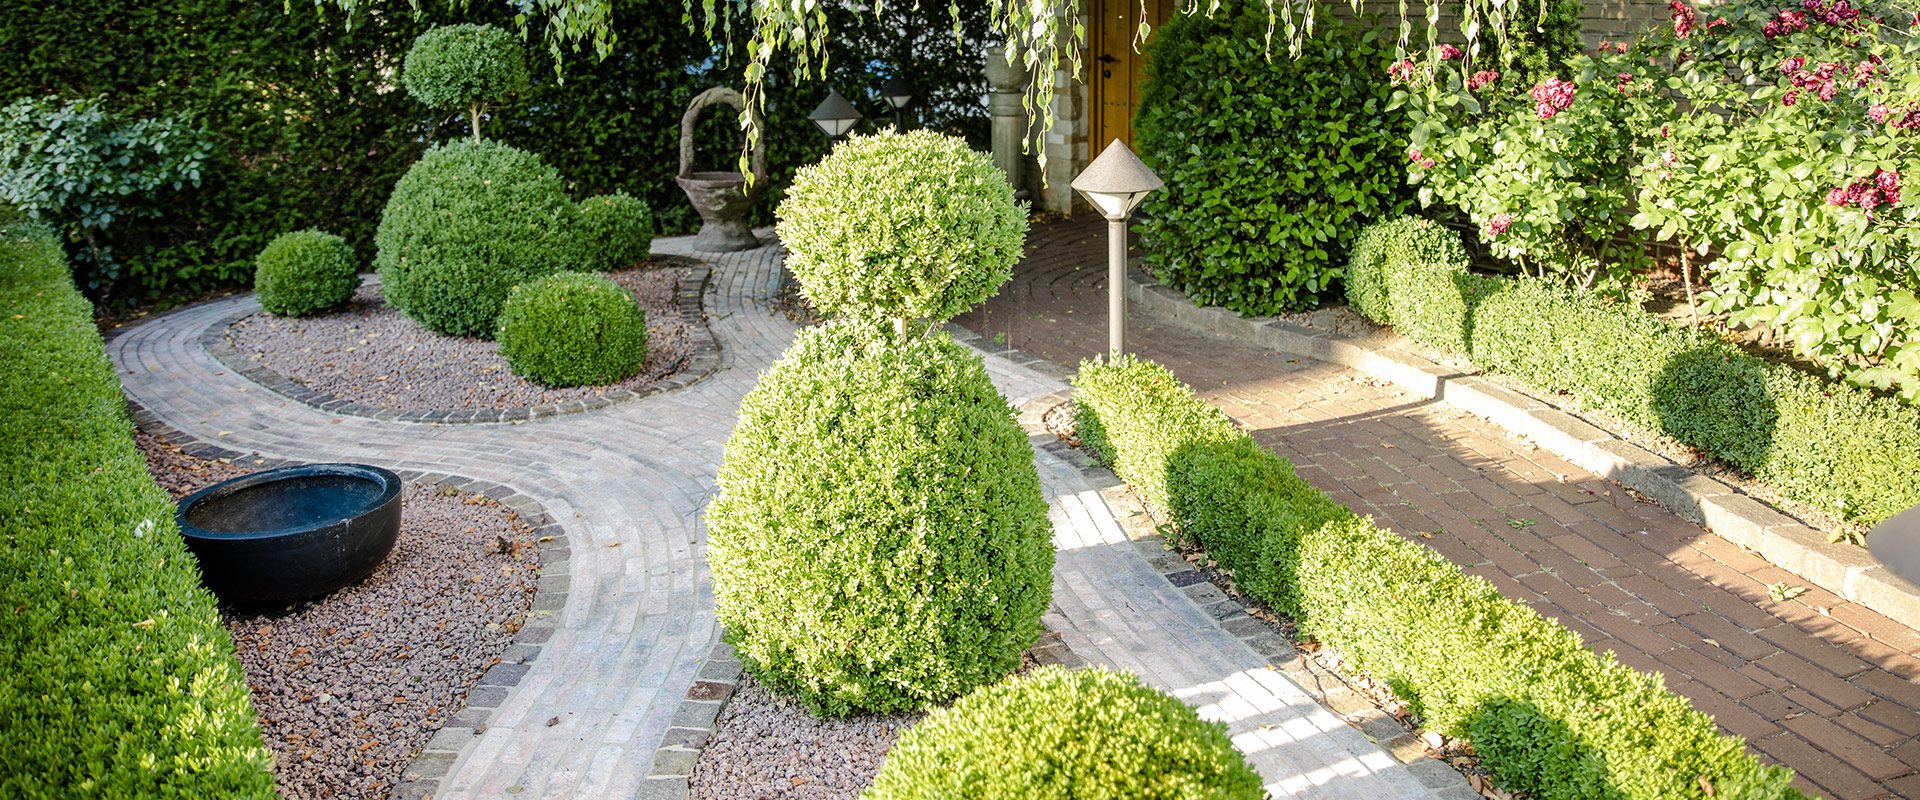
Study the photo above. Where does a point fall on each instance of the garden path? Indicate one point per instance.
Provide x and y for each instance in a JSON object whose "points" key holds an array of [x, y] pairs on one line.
{"points": [[627, 484], [1817, 683]]}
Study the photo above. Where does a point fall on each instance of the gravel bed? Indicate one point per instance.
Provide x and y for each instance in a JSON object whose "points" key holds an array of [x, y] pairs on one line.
{"points": [[768, 746], [349, 687], [371, 354]]}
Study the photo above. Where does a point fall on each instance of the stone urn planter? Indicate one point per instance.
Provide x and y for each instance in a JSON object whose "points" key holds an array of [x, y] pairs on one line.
{"points": [[291, 533], [723, 199]]}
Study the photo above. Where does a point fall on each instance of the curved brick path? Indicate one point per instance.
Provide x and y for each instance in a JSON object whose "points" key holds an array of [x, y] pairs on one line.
{"points": [[627, 483], [1817, 683]]}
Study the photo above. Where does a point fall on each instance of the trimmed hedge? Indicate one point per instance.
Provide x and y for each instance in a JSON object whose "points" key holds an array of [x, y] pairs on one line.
{"points": [[465, 67], [1548, 716], [305, 272], [878, 541], [1833, 446], [573, 329], [616, 231], [117, 678], [1055, 734]]}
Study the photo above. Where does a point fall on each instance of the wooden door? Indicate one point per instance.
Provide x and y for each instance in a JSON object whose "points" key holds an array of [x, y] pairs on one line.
{"points": [[1116, 70]]}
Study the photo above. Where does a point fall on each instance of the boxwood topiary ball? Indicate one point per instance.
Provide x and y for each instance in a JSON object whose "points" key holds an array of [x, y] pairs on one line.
{"points": [[305, 272], [455, 66], [616, 230], [573, 329], [913, 225], [1090, 734], [466, 224], [879, 541]]}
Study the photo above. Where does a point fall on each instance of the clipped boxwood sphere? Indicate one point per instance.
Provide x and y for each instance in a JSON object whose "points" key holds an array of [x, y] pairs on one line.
{"points": [[1089, 734], [913, 225], [305, 272], [879, 541], [1385, 248], [616, 230], [469, 222], [573, 329], [455, 66]]}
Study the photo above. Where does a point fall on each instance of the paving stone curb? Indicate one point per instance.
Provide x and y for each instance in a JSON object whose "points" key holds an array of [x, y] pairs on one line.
{"points": [[701, 362], [423, 776], [1846, 570]]}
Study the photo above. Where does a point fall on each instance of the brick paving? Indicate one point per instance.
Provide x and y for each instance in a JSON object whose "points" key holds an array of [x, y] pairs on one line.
{"points": [[1817, 683]]}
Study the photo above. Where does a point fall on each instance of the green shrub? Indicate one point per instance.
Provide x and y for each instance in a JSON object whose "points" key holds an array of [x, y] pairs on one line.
{"points": [[1272, 164], [1089, 734], [913, 225], [465, 68], [573, 329], [117, 679], [616, 231], [1381, 249], [305, 272], [1539, 45], [1820, 442], [1548, 716], [1144, 434], [878, 541], [469, 222]]}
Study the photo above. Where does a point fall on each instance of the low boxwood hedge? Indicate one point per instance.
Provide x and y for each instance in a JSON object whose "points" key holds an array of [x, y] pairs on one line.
{"points": [[116, 676], [1824, 443], [1548, 716]]}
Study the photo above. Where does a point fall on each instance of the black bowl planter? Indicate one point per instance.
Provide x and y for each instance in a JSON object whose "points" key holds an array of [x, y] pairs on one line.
{"points": [[291, 533]]}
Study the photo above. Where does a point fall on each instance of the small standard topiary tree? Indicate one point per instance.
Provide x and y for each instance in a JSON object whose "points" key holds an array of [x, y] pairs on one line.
{"points": [[305, 272], [466, 224], [616, 230], [1090, 734], [573, 329], [879, 541], [901, 226], [465, 67]]}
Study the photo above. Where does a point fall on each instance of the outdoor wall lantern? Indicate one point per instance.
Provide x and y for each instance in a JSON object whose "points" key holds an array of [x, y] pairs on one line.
{"points": [[1115, 183], [835, 115], [899, 94]]}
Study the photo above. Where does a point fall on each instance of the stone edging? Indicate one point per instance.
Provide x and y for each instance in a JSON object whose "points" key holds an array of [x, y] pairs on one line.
{"points": [[422, 777], [700, 363], [1846, 570], [692, 725]]}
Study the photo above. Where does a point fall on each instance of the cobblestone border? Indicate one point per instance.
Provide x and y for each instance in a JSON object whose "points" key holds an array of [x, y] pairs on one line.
{"points": [[422, 777], [701, 362], [1846, 570]]}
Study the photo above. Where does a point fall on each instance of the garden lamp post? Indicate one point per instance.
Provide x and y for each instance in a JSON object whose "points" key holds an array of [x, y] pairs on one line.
{"points": [[1115, 183], [899, 94], [835, 115]]}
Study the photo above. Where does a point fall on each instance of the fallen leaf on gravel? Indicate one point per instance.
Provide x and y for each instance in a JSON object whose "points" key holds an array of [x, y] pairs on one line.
{"points": [[553, 721]]}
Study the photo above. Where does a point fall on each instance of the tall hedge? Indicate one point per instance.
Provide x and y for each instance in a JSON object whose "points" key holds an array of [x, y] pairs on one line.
{"points": [[117, 679], [1273, 163]]}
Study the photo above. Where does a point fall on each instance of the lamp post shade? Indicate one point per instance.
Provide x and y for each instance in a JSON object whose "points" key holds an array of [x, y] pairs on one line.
{"points": [[897, 91], [1117, 181], [835, 115]]}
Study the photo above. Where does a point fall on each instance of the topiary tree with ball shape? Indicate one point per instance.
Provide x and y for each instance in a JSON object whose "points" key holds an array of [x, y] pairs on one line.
{"points": [[470, 67], [879, 541]]}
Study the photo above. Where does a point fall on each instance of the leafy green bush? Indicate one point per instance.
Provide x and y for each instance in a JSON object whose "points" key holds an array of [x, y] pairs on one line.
{"points": [[1272, 164], [1541, 42], [1090, 734], [879, 541], [469, 222], [1138, 445], [465, 68], [1380, 251], [616, 231], [77, 166], [117, 679], [913, 225], [1824, 443], [573, 329], [1548, 716], [305, 272]]}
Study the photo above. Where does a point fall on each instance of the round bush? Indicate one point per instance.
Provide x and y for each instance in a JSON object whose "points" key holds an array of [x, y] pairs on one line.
{"points": [[1090, 734], [1385, 249], [573, 329], [305, 272], [466, 224], [616, 230], [1268, 238], [913, 225], [879, 541], [456, 66]]}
